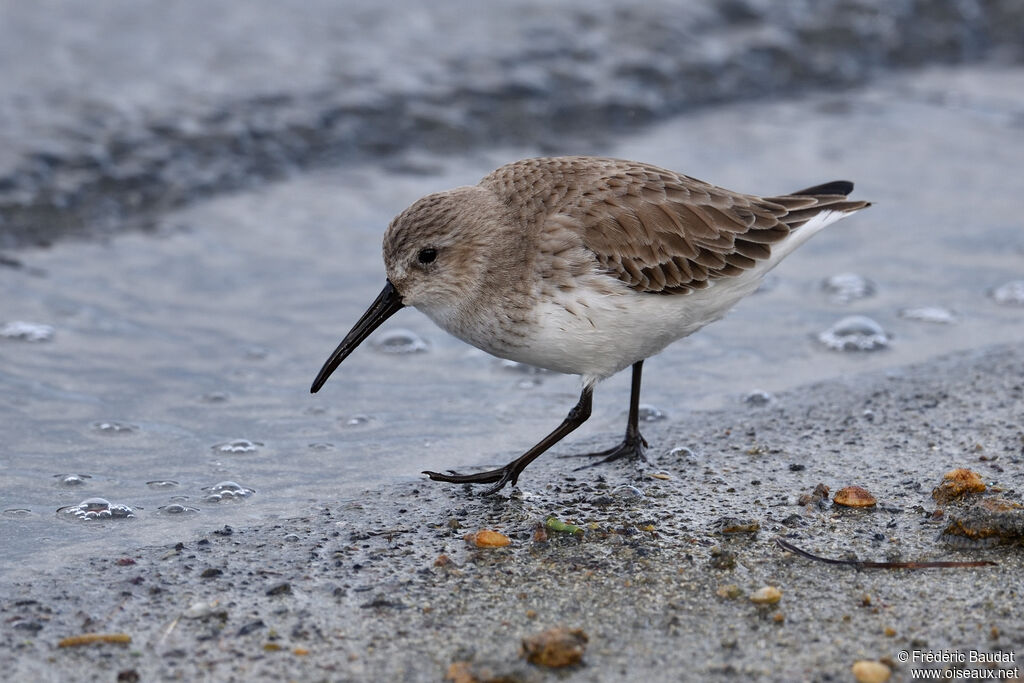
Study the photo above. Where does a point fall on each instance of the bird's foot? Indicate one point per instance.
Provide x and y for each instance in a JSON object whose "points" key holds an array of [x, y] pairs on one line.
{"points": [[508, 474], [632, 447]]}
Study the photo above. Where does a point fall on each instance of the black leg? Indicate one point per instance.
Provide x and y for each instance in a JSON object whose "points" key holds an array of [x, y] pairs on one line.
{"points": [[509, 474], [633, 444]]}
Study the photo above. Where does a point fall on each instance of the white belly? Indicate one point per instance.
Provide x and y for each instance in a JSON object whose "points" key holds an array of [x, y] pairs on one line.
{"points": [[598, 335]]}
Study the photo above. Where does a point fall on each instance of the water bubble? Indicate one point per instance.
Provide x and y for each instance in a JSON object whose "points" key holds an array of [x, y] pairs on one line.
{"points": [[177, 509], [628, 492], [682, 452], [399, 341], [929, 314], [31, 332], [356, 420], [321, 446], [238, 446], [110, 427], [92, 509], [72, 480], [1010, 294], [163, 484], [648, 413], [855, 333], [846, 287], [758, 398], [227, 491]]}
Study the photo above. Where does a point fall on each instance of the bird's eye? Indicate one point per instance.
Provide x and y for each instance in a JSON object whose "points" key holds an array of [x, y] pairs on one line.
{"points": [[427, 255]]}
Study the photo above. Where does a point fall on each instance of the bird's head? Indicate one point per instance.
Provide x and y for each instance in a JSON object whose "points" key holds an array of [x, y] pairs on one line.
{"points": [[437, 255]]}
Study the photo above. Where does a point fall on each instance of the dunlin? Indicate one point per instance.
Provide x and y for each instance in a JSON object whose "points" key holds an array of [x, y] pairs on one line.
{"points": [[585, 266]]}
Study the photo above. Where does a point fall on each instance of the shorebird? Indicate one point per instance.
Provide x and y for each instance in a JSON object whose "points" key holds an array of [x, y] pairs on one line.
{"points": [[586, 266]]}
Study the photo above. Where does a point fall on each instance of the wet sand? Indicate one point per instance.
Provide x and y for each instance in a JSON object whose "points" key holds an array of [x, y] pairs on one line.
{"points": [[358, 589]]}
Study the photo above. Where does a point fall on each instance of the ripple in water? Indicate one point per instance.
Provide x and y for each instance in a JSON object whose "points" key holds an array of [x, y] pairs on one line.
{"points": [[356, 420], [846, 287], [215, 397], [112, 428], [160, 484], [227, 491], [72, 480], [1009, 294], [855, 333], [321, 446], [399, 341], [238, 446], [25, 331], [929, 314], [256, 353], [18, 513], [92, 509]]}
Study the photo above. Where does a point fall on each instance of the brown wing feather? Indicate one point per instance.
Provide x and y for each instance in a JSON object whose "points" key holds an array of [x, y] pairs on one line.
{"points": [[656, 230]]}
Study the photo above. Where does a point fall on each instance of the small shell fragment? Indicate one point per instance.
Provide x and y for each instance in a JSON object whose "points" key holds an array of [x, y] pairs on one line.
{"points": [[870, 671], [485, 538], [854, 497], [555, 648], [957, 483], [768, 595], [94, 638]]}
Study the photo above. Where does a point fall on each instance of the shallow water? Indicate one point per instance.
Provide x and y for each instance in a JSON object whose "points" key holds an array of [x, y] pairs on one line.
{"points": [[182, 360]]}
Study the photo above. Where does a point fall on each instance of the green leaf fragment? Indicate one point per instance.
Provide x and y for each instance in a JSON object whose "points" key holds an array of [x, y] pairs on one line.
{"points": [[552, 523]]}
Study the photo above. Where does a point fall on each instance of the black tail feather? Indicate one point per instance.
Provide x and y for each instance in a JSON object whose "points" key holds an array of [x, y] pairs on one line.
{"points": [[841, 187]]}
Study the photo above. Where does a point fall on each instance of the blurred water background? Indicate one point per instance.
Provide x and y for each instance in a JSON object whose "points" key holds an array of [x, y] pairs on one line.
{"points": [[192, 198]]}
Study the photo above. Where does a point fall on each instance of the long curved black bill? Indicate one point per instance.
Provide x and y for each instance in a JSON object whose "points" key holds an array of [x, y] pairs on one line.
{"points": [[383, 308]]}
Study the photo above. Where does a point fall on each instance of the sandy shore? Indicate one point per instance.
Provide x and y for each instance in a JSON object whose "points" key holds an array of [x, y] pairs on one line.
{"points": [[360, 589]]}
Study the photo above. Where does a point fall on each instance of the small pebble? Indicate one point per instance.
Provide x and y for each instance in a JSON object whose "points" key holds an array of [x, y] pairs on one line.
{"points": [[555, 648], [282, 588], [768, 595], [729, 591], [870, 671], [818, 495]]}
